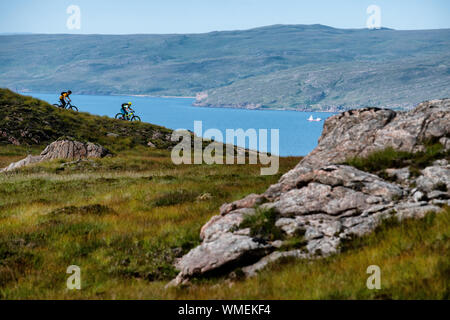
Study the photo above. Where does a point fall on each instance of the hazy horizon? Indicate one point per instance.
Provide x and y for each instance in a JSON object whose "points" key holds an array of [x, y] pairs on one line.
{"points": [[204, 16], [231, 30]]}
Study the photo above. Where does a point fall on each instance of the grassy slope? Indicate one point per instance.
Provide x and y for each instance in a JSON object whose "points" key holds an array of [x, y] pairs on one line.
{"points": [[412, 257], [149, 213], [34, 122], [125, 219], [282, 65], [139, 212]]}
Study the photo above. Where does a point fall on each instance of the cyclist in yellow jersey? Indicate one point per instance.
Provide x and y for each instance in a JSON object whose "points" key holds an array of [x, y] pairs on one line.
{"points": [[63, 97]]}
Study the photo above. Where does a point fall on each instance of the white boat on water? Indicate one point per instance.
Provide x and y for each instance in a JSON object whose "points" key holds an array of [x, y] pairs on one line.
{"points": [[311, 118]]}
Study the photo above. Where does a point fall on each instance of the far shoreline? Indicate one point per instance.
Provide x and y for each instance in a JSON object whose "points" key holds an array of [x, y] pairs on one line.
{"points": [[187, 97], [26, 92], [267, 109], [150, 96]]}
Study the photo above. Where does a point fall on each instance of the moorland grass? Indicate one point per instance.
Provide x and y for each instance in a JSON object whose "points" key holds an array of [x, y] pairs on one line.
{"points": [[125, 228], [124, 218]]}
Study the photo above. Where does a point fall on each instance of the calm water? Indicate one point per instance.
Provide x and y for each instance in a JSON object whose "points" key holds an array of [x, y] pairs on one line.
{"points": [[297, 135]]}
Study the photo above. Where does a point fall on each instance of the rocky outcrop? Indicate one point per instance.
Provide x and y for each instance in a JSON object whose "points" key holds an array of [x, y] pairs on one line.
{"points": [[363, 131], [335, 190], [326, 202], [63, 149]]}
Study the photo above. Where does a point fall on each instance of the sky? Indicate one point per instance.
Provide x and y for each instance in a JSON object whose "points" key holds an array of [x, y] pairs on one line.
{"points": [[198, 16]]}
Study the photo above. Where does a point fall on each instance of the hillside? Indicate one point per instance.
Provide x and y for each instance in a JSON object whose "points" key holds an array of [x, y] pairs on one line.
{"points": [[29, 121], [126, 220], [338, 86], [281, 66]]}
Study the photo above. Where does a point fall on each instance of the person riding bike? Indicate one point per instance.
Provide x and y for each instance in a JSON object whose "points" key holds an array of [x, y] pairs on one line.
{"points": [[126, 108], [128, 114], [63, 97]]}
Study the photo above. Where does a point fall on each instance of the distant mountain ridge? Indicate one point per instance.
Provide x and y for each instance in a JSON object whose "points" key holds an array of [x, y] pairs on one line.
{"points": [[300, 67]]}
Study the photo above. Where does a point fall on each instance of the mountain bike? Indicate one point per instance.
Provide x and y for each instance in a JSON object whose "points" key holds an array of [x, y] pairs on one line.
{"points": [[68, 106], [129, 117]]}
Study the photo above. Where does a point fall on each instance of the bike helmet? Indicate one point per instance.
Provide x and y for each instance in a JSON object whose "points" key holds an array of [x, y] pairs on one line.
{"points": [[69, 92], [129, 103]]}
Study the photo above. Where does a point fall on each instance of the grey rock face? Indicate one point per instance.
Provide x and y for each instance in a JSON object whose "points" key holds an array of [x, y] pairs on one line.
{"points": [[360, 132], [336, 190], [433, 178], [445, 141], [64, 149], [348, 134], [418, 196], [414, 210], [438, 195], [327, 202], [248, 202], [211, 255], [401, 175], [221, 224]]}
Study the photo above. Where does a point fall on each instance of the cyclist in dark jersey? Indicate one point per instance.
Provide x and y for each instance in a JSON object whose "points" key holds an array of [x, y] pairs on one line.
{"points": [[63, 97]]}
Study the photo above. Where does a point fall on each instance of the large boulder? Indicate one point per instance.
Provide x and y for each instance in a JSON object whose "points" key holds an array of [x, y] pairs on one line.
{"points": [[327, 202], [73, 150], [62, 149], [363, 131]]}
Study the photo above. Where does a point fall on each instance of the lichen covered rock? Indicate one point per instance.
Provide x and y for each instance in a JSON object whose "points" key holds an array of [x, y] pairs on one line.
{"points": [[62, 149]]}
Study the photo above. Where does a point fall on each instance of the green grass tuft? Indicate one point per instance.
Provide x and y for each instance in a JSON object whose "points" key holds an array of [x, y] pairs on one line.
{"points": [[95, 209], [175, 197], [262, 225], [378, 161]]}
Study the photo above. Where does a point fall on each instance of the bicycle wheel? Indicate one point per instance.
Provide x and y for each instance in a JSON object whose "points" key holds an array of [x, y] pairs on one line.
{"points": [[119, 116], [73, 108], [57, 105], [136, 118]]}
